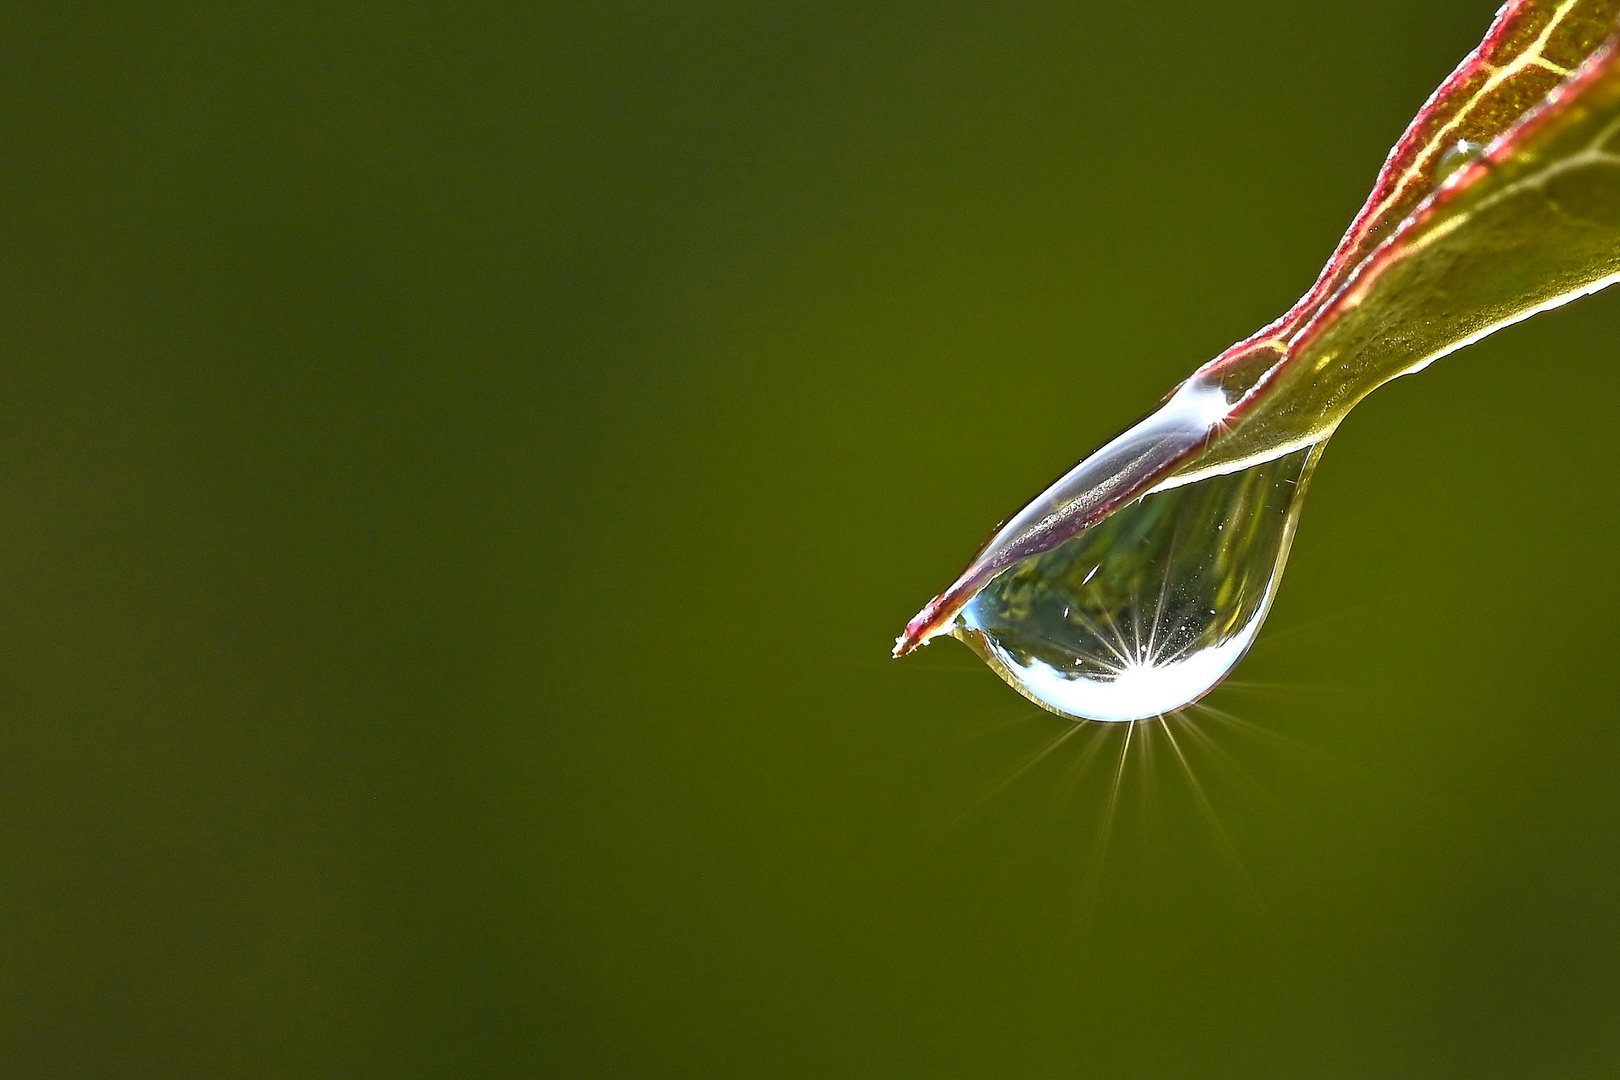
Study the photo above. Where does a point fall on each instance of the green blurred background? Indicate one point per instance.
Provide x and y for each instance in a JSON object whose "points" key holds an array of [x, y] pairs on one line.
{"points": [[462, 470]]}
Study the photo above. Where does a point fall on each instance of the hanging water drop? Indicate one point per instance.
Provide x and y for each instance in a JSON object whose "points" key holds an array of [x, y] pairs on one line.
{"points": [[1187, 575]]}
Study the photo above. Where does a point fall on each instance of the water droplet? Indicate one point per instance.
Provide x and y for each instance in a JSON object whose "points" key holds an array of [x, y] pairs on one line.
{"points": [[1148, 609], [1458, 155]]}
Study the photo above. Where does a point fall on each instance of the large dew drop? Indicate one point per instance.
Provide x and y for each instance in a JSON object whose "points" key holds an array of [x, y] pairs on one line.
{"points": [[1148, 609]]}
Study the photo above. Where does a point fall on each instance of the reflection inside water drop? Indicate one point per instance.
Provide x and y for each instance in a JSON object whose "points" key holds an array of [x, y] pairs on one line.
{"points": [[1147, 610]]}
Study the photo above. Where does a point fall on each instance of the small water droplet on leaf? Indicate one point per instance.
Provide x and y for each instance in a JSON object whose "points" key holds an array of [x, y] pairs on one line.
{"points": [[1459, 155]]}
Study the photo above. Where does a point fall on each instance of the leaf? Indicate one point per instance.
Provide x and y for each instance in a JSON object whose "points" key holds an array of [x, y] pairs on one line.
{"points": [[1532, 225], [1442, 253]]}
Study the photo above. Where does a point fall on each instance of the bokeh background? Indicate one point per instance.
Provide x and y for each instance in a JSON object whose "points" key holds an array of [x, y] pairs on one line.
{"points": [[462, 469]]}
